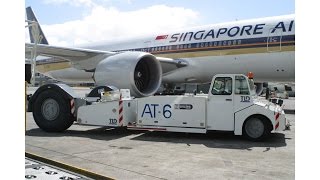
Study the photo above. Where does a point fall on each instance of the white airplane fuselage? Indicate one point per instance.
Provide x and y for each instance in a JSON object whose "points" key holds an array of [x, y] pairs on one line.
{"points": [[264, 46]]}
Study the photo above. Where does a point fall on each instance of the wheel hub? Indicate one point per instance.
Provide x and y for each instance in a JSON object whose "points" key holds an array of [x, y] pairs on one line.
{"points": [[255, 128], [50, 109]]}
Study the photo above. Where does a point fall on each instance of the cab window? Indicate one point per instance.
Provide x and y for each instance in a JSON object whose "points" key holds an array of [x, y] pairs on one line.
{"points": [[222, 86], [241, 85]]}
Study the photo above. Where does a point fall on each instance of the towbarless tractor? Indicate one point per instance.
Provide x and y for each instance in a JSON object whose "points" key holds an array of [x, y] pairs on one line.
{"points": [[230, 105]]}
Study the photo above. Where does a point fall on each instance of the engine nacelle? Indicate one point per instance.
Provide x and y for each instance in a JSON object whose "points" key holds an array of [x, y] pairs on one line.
{"points": [[138, 71]]}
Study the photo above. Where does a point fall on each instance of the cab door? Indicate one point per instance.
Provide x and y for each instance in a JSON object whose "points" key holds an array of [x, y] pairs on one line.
{"points": [[220, 104], [242, 95]]}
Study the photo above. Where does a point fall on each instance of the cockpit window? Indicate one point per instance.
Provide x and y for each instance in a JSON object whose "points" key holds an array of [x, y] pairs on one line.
{"points": [[222, 86]]}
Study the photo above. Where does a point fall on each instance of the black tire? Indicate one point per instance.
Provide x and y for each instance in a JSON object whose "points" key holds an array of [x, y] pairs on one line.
{"points": [[51, 111], [255, 129]]}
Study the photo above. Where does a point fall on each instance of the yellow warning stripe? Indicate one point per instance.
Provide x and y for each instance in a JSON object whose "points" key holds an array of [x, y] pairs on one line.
{"points": [[61, 165]]}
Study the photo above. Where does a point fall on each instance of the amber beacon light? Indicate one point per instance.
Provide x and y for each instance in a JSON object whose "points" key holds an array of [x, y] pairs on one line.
{"points": [[250, 75]]}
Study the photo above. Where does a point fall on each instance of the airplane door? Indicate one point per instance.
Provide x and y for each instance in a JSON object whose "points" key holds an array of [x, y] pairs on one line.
{"points": [[220, 105], [274, 40]]}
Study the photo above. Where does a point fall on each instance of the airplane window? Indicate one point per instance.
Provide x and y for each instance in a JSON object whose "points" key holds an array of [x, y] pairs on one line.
{"points": [[222, 86], [234, 42]]}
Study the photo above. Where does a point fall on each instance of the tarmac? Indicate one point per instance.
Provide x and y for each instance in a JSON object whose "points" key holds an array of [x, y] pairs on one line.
{"points": [[124, 154]]}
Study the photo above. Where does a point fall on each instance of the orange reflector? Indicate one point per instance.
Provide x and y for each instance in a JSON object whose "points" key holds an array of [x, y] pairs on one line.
{"points": [[250, 75]]}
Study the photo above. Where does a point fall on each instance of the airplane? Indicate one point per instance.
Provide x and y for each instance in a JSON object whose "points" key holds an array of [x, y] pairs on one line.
{"points": [[264, 46]]}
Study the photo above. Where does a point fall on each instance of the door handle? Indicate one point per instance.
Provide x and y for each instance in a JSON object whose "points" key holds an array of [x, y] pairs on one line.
{"points": [[228, 99]]}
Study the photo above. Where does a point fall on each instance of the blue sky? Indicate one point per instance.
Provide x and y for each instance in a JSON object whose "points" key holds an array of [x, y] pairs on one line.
{"points": [[211, 11], [76, 22]]}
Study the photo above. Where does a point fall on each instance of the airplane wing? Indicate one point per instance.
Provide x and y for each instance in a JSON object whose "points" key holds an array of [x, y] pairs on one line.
{"points": [[87, 59], [80, 58]]}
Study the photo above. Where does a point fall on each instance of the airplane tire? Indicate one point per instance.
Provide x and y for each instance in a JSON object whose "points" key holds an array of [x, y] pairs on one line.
{"points": [[52, 112], [255, 129]]}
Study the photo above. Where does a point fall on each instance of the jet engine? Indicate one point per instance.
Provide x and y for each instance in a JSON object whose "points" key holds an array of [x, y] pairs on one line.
{"points": [[138, 71]]}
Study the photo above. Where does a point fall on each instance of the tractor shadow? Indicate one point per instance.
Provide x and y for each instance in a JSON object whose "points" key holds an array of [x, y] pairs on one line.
{"points": [[101, 133], [215, 139]]}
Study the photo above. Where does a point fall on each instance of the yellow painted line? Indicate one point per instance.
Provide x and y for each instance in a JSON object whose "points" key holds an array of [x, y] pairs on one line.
{"points": [[61, 165]]}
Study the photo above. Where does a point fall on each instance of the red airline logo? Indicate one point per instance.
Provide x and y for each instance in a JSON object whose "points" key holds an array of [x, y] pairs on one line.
{"points": [[161, 37]]}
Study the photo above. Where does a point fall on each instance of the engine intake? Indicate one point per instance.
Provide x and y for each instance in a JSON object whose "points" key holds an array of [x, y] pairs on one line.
{"points": [[138, 71]]}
